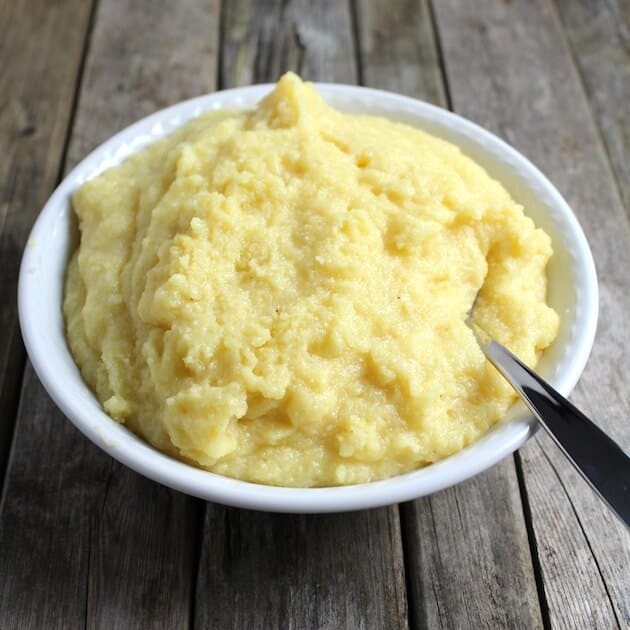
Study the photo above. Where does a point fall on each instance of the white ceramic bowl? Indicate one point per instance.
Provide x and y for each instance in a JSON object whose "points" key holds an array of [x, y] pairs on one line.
{"points": [[572, 292]]}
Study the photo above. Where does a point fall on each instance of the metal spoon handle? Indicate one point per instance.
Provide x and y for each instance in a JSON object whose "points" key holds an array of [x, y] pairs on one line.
{"points": [[598, 458]]}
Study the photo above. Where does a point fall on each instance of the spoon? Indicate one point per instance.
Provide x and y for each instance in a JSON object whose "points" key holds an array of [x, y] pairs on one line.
{"points": [[598, 458]]}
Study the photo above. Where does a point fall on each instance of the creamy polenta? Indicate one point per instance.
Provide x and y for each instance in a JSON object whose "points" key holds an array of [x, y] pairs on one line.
{"points": [[280, 295]]}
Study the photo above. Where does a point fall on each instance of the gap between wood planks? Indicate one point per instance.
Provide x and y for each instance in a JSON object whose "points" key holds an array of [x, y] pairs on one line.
{"points": [[533, 546], [16, 353]]}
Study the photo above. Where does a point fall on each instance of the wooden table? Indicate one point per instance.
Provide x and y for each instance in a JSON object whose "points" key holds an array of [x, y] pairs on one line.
{"points": [[86, 542]]}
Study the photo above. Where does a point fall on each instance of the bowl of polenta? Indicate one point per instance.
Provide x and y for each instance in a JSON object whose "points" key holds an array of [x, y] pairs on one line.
{"points": [[259, 296]]}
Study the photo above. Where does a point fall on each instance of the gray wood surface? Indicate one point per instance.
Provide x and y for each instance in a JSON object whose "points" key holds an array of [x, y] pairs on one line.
{"points": [[51, 501], [41, 50], [86, 542], [116, 550], [262, 40], [334, 571], [261, 570], [509, 70], [493, 586], [398, 50], [468, 556], [599, 36]]}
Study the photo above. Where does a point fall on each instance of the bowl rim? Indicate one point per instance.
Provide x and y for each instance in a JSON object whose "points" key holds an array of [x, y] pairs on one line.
{"points": [[130, 450]]}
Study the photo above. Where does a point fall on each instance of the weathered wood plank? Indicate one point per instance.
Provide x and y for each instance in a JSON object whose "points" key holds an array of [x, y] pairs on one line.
{"points": [[83, 539], [467, 554], [40, 56], [280, 571], [144, 56], [509, 70], [283, 571], [599, 36], [262, 40], [398, 50], [46, 516]]}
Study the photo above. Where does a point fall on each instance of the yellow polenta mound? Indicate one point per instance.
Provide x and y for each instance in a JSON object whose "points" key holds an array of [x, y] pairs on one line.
{"points": [[279, 295]]}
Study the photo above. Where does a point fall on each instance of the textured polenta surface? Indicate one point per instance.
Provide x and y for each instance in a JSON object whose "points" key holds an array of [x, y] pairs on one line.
{"points": [[279, 295]]}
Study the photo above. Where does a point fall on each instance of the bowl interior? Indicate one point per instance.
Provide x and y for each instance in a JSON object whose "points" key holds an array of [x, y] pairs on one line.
{"points": [[572, 292]]}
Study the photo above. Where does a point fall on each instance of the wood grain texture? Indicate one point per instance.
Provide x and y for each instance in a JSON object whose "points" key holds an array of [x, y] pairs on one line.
{"points": [[262, 40], [40, 54], [47, 514], [143, 56], [599, 36], [510, 70], [398, 50], [450, 586], [285, 571], [468, 556], [83, 539]]}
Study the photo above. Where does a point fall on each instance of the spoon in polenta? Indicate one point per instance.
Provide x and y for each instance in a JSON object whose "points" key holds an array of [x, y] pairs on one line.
{"points": [[598, 458]]}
